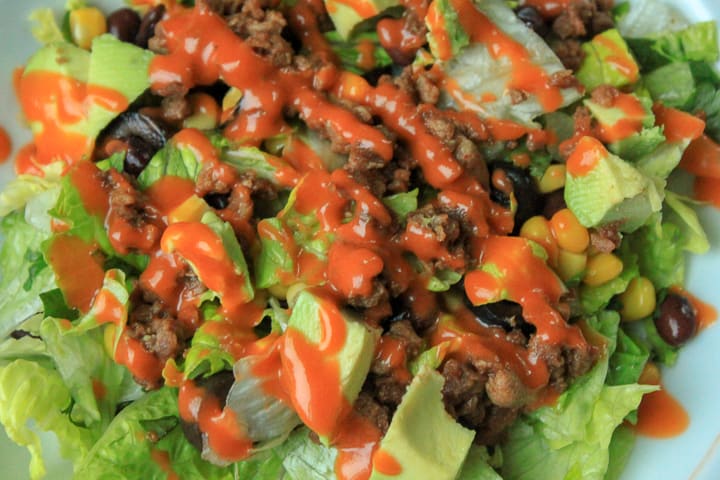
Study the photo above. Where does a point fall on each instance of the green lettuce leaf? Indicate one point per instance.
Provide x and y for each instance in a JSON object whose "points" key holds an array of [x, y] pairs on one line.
{"points": [[659, 250], [230, 242], [45, 28], [402, 203], [681, 213], [478, 73], [621, 446], [171, 160], [253, 160], [698, 42], [627, 362], [32, 398], [672, 84], [125, 449], [571, 439], [594, 299], [707, 101], [350, 55], [638, 144], [206, 356], [96, 383], [18, 256], [91, 228], [479, 464]]}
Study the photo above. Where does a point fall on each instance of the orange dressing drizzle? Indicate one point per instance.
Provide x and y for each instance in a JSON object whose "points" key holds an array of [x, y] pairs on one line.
{"points": [[311, 373], [588, 152], [660, 415], [5, 145], [78, 269], [526, 76], [630, 123]]}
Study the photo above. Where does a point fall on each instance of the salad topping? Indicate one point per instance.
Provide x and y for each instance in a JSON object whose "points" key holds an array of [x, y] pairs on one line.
{"points": [[369, 238]]}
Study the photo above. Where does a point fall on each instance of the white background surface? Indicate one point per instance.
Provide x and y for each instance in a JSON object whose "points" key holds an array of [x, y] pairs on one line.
{"points": [[695, 380]]}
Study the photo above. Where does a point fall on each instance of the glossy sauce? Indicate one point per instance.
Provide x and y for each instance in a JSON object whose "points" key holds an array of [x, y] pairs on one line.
{"points": [[586, 155], [311, 372], [622, 62], [142, 364], [53, 127], [630, 122], [225, 434], [660, 415], [356, 442], [78, 269], [678, 125], [526, 76], [5, 145], [203, 248]]}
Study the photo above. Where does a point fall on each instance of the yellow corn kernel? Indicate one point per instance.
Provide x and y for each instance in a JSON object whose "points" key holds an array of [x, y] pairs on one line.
{"points": [[109, 339], [638, 300], [602, 268], [570, 265], [85, 24], [537, 229], [568, 231], [650, 374], [553, 179], [191, 210]]}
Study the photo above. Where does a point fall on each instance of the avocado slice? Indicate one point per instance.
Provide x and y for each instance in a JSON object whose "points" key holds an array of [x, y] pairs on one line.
{"points": [[354, 357], [242, 282], [67, 60], [601, 188], [423, 438], [608, 61], [118, 66], [112, 66], [346, 14]]}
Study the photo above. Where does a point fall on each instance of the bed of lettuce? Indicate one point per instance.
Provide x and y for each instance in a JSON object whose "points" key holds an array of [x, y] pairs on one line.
{"points": [[46, 375]]}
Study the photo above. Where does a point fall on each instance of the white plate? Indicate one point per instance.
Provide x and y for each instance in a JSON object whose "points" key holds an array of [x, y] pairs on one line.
{"points": [[693, 455]]}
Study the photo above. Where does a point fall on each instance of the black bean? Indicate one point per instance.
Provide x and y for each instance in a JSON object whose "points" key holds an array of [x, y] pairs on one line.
{"points": [[124, 24], [554, 202], [138, 155], [147, 26], [217, 200], [524, 190], [532, 18], [505, 314], [677, 321]]}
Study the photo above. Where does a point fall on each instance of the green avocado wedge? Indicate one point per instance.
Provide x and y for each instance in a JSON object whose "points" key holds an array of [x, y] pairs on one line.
{"points": [[423, 440]]}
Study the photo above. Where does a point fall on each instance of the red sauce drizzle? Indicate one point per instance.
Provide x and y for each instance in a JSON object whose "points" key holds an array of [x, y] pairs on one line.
{"points": [[660, 415], [78, 268], [225, 434], [630, 123], [588, 152], [311, 373], [5, 145], [141, 363], [72, 100], [356, 442], [385, 463], [203, 248], [526, 76], [162, 460]]}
